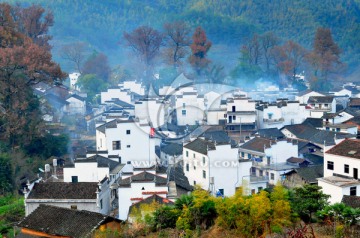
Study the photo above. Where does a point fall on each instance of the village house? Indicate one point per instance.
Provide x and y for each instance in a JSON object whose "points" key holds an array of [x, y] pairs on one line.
{"points": [[130, 140], [53, 221], [133, 86], [241, 114], [89, 196], [341, 170], [304, 96], [281, 113], [152, 110], [189, 108], [170, 153], [318, 105], [73, 81], [270, 158], [303, 175], [76, 106], [116, 93]]}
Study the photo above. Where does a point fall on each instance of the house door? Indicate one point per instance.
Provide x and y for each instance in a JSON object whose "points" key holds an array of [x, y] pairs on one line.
{"points": [[230, 119], [355, 173]]}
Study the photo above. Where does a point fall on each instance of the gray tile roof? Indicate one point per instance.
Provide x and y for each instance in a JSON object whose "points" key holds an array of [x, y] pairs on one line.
{"points": [[177, 175], [257, 144], [57, 221], [200, 145], [143, 177], [321, 99], [61, 190], [172, 149], [348, 148], [149, 200], [270, 133]]}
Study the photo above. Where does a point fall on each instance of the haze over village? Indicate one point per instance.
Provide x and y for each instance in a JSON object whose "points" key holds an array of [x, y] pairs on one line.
{"points": [[206, 124]]}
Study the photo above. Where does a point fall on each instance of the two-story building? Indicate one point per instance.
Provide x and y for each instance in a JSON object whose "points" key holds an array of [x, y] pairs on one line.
{"points": [[341, 170], [190, 108], [318, 105], [241, 114]]}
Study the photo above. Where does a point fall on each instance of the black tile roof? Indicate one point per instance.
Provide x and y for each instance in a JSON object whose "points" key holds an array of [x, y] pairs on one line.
{"points": [[61, 190], [221, 137], [311, 173], [270, 133], [57, 221], [348, 148], [143, 177], [172, 149], [321, 99], [351, 201], [200, 145], [257, 144], [314, 122], [77, 97], [177, 175]]}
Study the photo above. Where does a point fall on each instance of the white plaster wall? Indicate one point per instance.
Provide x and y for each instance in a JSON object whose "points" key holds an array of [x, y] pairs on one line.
{"points": [[153, 111], [194, 107], [134, 87], [213, 117], [76, 106], [281, 151], [115, 93], [86, 172], [135, 191], [339, 163]]}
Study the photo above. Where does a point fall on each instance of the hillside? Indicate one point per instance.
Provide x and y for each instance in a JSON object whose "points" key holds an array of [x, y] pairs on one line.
{"points": [[102, 23]]}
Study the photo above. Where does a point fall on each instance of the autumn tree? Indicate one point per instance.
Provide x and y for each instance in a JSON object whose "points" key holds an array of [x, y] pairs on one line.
{"points": [[199, 48], [98, 65], [325, 57], [145, 42], [23, 63], [34, 22], [177, 42], [268, 41], [75, 53], [289, 58]]}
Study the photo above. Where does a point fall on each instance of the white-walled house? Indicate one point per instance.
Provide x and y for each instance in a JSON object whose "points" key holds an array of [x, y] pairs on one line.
{"points": [[318, 105], [190, 109], [130, 140], [216, 167], [73, 81], [137, 185], [116, 93], [89, 196], [336, 118], [341, 170], [241, 113], [133, 86], [281, 113], [304, 96], [76, 106], [152, 110], [270, 157]]}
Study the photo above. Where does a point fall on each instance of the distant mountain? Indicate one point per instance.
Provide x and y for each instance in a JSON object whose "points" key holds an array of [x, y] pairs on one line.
{"points": [[102, 23]]}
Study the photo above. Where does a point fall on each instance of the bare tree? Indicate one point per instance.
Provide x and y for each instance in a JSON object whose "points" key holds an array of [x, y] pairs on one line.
{"points": [[145, 41], [74, 53], [268, 41], [178, 41]]}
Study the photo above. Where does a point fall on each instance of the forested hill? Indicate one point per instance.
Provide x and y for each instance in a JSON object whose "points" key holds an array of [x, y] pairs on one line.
{"points": [[102, 23]]}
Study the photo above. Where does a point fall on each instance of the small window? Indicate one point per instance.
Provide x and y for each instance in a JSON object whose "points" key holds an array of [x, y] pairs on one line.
{"points": [[187, 167], [116, 145], [337, 129], [330, 165], [74, 179], [272, 176], [204, 160], [194, 155], [234, 118], [184, 105], [242, 154], [183, 112], [253, 191], [260, 188], [326, 105], [128, 146], [233, 108], [73, 207], [221, 191], [128, 132], [194, 167], [101, 204], [204, 174], [194, 182], [352, 191], [261, 173], [187, 153], [327, 128], [346, 168], [249, 156], [225, 116]]}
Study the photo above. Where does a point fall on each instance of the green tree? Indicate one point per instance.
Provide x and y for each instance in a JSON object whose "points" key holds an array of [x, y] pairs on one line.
{"points": [[199, 48], [307, 200], [91, 85], [6, 174]]}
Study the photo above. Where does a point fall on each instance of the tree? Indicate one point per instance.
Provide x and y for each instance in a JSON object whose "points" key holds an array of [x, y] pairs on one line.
{"points": [[33, 23], [268, 41], [178, 41], [6, 175], [92, 85], [145, 42], [325, 57], [307, 200], [199, 48], [289, 58], [74, 53], [98, 64]]}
